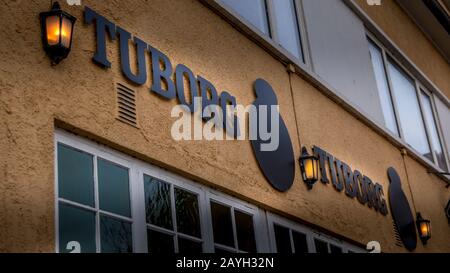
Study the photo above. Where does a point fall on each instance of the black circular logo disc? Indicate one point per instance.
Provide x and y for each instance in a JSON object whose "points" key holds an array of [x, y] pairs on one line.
{"points": [[278, 166]]}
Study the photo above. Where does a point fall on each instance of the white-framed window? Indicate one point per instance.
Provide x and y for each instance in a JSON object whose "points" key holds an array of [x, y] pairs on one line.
{"points": [[436, 138], [109, 202], [279, 21], [93, 204], [234, 225], [287, 236], [174, 213], [386, 100], [409, 109]]}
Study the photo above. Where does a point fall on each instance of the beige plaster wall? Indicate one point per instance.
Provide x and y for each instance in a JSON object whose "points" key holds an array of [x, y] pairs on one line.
{"points": [[80, 96]]}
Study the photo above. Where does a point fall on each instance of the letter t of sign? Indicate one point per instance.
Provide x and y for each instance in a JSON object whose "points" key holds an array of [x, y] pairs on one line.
{"points": [[102, 25]]}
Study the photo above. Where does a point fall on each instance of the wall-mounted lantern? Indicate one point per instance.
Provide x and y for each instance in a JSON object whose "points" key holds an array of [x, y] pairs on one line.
{"points": [[57, 31], [424, 228], [309, 168]]}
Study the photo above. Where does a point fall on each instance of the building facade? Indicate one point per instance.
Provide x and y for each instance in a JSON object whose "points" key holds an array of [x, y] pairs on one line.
{"points": [[89, 162]]}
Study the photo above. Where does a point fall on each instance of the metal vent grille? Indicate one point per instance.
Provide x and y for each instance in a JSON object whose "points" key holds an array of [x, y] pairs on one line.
{"points": [[126, 105]]}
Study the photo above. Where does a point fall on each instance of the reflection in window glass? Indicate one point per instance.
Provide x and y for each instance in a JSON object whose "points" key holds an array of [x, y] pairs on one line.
{"points": [[433, 131], [222, 225], [283, 239], [287, 26], [300, 244], [113, 188], [335, 249], [383, 88], [76, 225], [188, 220], [75, 175], [159, 242], [253, 11], [245, 231], [321, 246], [186, 246], [413, 128], [115, 235], [159, 196], [157, 202]]}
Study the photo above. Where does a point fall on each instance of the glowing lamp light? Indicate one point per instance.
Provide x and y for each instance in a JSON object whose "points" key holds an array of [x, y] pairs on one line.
{"points": [[424, 228], [57, 32], [309, 168]]}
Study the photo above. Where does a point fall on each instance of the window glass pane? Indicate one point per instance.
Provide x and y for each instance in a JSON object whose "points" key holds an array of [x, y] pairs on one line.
{"points": [[75, 175], [115, 235], [253, 11], [287, 26], [188, 221], [76, 225], [113, 188], [443, 114], [222, 226], [245, 232], [383, 88], [321, 246], [157, 202], [283, 239], [300, 244], [186, 246], [159, 242], [408, 108], [434, 135], [335, 249]]}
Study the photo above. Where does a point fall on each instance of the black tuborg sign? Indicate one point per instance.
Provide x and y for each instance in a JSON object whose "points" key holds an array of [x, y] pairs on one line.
{"points": [[356, 184], [278, 166]]}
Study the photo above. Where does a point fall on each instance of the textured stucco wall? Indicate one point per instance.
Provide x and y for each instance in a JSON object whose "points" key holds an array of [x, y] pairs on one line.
{"points": [[80, 96]]}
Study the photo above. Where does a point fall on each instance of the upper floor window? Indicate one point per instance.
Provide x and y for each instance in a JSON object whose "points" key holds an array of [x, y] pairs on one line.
{"points": [[255, 12], [436, 143], [286, 27], [384, 94], [409, 115], [408, 110], [278, 20]]}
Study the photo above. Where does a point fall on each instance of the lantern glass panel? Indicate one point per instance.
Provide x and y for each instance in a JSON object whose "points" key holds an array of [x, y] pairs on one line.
{"points": [[66, 32], [52, 28], [309, 168], [424, 229]]}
